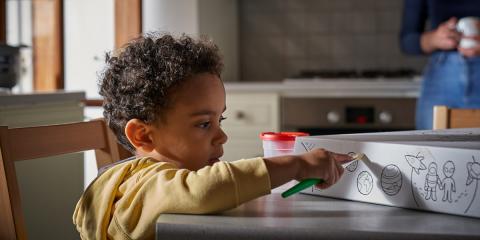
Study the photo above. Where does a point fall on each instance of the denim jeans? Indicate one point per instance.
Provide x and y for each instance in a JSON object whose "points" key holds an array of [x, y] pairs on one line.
{"points": [[449, 79]]}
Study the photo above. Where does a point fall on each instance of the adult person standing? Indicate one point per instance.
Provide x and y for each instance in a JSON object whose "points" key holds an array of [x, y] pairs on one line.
{"points": [[452, 75]]}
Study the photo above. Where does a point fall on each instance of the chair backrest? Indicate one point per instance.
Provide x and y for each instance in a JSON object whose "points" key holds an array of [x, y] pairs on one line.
{"points": [[444, 117], [116, 151], [30, 143]]}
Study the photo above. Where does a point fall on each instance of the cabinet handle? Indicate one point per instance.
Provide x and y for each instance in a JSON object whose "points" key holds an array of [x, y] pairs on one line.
{"points": [[240, 115]]}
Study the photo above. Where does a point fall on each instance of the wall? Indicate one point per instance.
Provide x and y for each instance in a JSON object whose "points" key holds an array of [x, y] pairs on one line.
{"points": [[174, 16], [85, 49], [85, 45], [218, 19], [278, 38]]}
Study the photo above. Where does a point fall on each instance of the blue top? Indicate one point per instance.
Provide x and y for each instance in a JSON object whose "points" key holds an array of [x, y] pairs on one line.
{"points": [[416, 13]]}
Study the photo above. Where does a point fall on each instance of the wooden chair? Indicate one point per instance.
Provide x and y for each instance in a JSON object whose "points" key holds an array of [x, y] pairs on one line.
{"points": [[18, 144], [444, 117]]}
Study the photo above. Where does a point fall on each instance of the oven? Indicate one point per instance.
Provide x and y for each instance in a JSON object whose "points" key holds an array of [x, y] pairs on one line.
{"points": [[320, 116], [355, 102]]}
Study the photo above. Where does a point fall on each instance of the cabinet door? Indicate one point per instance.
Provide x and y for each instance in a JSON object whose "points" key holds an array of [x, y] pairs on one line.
{"points": [[249, 114]]}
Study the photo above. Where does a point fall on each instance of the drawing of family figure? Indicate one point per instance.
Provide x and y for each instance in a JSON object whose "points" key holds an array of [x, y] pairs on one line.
{"points": [[432, 181]]}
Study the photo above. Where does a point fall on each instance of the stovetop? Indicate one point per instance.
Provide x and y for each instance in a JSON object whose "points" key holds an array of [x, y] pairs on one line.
{"points": [[368, 74]]}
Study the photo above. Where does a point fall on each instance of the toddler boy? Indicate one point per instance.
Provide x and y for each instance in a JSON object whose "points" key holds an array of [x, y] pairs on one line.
{"points": [[164, 100]]}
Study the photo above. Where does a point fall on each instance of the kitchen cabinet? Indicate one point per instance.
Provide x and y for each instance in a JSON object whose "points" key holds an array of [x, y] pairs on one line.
{"points": [[253, 108], [249, 114]]}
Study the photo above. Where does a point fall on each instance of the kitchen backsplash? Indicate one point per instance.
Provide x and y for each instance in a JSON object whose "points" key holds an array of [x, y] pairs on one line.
{"points": [[280, 38]]}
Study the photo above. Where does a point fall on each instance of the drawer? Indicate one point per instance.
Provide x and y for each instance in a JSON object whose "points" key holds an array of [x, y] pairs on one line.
{"points": [[249, 114]]}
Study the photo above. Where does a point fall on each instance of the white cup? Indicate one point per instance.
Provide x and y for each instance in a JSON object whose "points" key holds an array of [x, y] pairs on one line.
{"points": [[468, 27], [272, 148], [278, 144]]}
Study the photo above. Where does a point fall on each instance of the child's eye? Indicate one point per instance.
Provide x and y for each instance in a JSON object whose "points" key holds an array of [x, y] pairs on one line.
{"points": [[204, 125], [208, 123]]}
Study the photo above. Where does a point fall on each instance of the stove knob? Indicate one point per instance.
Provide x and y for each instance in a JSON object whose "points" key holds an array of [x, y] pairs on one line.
{"points": [[333, 117], [385, 117]]}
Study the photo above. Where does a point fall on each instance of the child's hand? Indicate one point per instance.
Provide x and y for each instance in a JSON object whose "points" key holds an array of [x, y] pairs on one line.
{"points": [[320, 163]]}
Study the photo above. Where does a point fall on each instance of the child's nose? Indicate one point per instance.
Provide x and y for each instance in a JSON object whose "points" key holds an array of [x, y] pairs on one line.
{"points": [[221, 138]]}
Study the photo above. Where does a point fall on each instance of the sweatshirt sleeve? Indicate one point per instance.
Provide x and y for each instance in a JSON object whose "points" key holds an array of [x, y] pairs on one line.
{"points": [[211, 189], [413, 25]]}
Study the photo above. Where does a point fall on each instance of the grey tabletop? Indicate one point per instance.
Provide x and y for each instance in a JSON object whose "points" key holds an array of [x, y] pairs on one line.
{"points": [[312, 217]]}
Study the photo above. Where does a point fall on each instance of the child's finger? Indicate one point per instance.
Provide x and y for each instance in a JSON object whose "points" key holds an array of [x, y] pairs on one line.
{"points": [[340, 171], [341, 158], [323, 185], [335, 177]]}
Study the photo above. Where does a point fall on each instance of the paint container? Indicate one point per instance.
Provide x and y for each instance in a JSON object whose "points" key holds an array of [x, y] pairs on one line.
{"points": [[279, 143]]}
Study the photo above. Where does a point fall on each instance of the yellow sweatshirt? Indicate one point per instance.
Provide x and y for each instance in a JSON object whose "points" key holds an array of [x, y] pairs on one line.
{"points": [[125, 201]]}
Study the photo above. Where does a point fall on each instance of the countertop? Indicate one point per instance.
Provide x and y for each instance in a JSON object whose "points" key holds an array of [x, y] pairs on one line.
{"points": [[332, 88], [312, 217], [40, 97]]}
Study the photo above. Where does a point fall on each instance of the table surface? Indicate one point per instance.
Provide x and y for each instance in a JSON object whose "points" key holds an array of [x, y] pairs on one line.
{"points": [[305, 216]]}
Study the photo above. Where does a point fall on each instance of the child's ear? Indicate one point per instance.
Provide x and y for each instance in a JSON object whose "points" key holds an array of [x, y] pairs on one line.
{"points": [[138, 133]]}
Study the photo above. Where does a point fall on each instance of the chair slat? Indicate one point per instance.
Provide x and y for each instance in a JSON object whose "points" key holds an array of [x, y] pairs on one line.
{"points": [[55, 140], [18, 144], [464, 118], [444, 117]]}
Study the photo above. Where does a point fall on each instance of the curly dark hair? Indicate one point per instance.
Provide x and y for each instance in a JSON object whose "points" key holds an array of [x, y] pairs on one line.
{"points": [[138, 81]]}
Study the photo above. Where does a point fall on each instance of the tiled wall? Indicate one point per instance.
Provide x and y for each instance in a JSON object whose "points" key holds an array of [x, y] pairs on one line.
{"points": [[279, 38]]}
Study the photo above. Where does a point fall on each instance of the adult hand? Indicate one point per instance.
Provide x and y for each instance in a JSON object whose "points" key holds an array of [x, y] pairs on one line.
{"points": [[473, 51], [444, 37]]}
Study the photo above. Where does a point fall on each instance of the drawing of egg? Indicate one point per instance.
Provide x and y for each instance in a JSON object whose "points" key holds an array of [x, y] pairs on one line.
{"points": [[364, 183], [391, 179], [352, 166]]}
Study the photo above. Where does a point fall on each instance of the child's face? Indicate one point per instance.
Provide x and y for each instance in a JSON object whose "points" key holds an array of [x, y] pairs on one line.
{"points": [[190, 134]]}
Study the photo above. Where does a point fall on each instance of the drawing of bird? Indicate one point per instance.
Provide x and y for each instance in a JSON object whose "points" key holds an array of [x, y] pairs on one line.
{"points": [[416, 162]]}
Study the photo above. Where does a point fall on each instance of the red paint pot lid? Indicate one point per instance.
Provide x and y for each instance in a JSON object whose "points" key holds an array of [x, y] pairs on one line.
{"points": [[282, 136]]}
